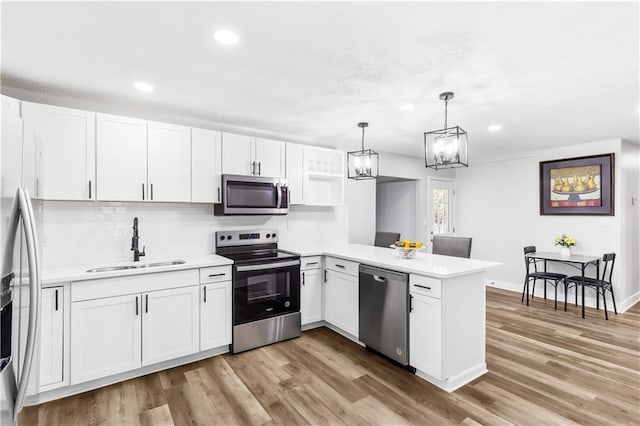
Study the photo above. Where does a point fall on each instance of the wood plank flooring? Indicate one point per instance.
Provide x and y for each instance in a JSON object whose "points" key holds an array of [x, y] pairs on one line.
{"points": [[545, 367]]}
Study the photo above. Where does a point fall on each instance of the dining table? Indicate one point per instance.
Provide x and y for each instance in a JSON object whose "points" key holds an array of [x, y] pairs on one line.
{"points": [[578, 261]]}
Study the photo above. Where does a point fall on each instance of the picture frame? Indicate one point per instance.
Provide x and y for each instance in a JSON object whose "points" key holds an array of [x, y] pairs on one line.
{"points": [[578, 186]]}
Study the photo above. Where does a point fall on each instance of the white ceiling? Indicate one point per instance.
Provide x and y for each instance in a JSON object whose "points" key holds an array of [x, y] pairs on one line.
{"points": [[550, 73]]}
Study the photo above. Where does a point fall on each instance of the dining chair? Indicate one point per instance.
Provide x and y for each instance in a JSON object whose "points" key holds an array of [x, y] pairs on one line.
{"points": [[385, 239], [552, 278], [599, 284], [452, 246]]}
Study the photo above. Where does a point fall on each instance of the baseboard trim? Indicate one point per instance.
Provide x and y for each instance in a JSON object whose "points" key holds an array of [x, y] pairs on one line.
{"points": [[453, 383], [590, 301], [313, 325]]}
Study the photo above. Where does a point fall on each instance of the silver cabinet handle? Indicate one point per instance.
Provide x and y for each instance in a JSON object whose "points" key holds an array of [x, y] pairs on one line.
{"points": [[205, 294], [253, 168], [151, 192], [423, 286], [90, 189], [57, 299], [218, 194], [311, 263], [137, 313], [259, 168], [303, 278], [217, 275], [146, 303], [339, 266], [143, 191], [410, 303]]}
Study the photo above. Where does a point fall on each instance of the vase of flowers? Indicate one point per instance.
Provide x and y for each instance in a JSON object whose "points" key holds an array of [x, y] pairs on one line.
{"points": [[565, 242]]}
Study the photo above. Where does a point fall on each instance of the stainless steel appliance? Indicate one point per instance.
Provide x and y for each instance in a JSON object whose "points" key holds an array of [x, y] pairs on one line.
{"points": [[253, 195], [266, 288], [384, 312], [20, 297]]}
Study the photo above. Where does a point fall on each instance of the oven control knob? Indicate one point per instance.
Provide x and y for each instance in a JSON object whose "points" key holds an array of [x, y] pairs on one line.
{"points": [[222, 237], [273, 235], [268, 235], [228, 237], [287, 304]]}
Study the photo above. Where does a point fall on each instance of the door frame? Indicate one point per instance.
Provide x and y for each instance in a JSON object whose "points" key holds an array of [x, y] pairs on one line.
{"points": [[430, 180]]}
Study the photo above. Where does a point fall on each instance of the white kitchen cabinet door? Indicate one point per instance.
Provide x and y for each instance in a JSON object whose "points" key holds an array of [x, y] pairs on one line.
{"points": [[270, 158], [311, 296], [105, 337], [169, 162], [238, 155], [294, 162], [206, 166], [65, 143], [170, 324], [215, 315], [52, 336], [121, 158], [425, 335], [341, 301]]}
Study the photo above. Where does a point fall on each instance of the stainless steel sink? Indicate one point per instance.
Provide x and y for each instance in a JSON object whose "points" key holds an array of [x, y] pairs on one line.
{"points": [[169, 263], [144, 265], [112, 268]]}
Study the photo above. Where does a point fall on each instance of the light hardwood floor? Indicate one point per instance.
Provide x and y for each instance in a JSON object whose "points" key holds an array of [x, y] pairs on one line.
{"points": [[545, 367]]}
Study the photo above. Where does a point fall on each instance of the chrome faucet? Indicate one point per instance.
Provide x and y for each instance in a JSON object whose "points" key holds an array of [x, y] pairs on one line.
{"points": [[134, 242]]}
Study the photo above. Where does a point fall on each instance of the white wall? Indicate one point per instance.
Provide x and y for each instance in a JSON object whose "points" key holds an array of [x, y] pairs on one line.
{"points": [[361, 196], [498, 207], [396, 208], [84, 233]]}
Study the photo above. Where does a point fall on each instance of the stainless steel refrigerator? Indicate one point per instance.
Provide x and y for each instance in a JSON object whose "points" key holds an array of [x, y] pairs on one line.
{"points": [[21, 291]]}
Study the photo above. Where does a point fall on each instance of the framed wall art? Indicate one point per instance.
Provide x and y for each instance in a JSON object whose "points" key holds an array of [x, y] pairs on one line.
{"points": [[577, 186]]}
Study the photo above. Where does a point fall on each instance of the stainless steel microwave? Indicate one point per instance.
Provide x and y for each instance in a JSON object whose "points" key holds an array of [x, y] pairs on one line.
{"points": [[253, 195]]}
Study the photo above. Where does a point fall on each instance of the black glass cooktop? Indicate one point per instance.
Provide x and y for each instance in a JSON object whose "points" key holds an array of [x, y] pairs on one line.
{"points": [[258, 256]]}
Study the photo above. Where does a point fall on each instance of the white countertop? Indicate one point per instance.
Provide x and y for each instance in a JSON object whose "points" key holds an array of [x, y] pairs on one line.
{"points": [[79, 273], [431, 265]]}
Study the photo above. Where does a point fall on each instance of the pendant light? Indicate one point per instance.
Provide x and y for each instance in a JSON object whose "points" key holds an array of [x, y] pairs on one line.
{"points": [[362, 164], [446, 148]]}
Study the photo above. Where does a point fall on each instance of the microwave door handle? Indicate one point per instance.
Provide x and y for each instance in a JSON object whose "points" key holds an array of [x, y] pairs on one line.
{"points": [[279, 191]]}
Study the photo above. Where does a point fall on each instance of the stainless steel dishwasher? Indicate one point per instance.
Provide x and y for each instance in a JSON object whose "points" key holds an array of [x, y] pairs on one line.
{"points": [[384, 316]]}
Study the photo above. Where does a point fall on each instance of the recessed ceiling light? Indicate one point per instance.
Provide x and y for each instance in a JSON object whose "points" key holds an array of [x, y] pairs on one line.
{"points": [[406, 107], [226, 37], [143, 87], [495, 127]]}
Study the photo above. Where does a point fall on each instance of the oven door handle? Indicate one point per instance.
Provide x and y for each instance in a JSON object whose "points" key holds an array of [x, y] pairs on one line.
{"points": [[267, 266]]}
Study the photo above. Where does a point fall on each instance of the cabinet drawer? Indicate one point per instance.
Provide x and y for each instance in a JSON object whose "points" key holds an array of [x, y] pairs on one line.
{"points": [[341, 265], [310, 262], [215, 274], [425, 285]]}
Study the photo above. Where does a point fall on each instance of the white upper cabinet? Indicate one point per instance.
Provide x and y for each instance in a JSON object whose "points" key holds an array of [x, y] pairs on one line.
{"points": [[169, 162], [143, 161], [269, 158], [295, 172], [65, 143], [245, 155], [122, 158], [238, 154], [315, 175], [206, 166]]}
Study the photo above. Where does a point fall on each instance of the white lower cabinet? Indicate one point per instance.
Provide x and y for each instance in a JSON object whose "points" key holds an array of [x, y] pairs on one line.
{"points": [[105, 337], [170, 324], [52, 337], [311, 295], [341, 301], [425, 334], [215, 315]]}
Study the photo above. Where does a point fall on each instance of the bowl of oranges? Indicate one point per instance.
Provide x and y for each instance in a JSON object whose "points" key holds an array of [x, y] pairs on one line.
{"points": [[407, 249]]}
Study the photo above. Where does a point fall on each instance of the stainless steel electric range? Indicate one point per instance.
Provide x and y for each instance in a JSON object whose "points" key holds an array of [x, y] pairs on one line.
{"points": [[266, 288]]}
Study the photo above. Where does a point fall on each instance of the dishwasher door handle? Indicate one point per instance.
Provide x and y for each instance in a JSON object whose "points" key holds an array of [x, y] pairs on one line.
{"points": [[380, 279]]}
